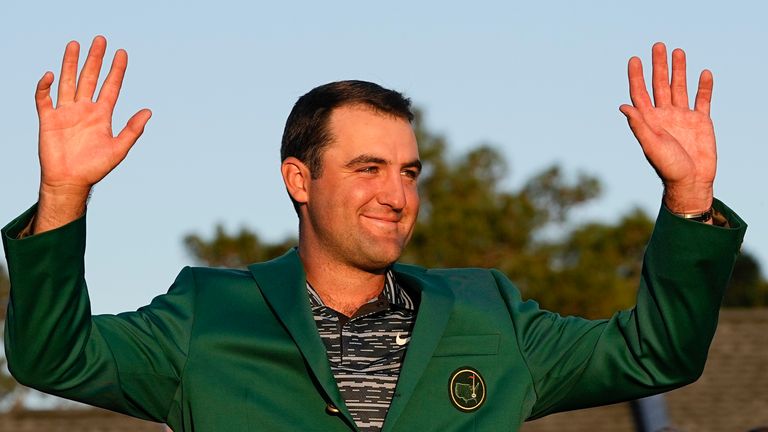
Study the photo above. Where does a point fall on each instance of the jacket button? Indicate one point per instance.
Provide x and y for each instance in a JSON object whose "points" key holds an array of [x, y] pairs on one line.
{"points": [[331, 409]]}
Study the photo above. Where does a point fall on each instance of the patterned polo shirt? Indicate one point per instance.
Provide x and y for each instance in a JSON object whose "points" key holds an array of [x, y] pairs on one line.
{"points": [[366, 351]]}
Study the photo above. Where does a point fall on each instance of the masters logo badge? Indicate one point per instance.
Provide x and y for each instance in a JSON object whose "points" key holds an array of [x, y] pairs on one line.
{"points": [[467, 389]]}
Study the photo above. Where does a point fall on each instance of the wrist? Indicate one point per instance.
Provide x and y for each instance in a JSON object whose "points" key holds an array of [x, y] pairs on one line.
{"points": [[688, 200], [58, 206]]}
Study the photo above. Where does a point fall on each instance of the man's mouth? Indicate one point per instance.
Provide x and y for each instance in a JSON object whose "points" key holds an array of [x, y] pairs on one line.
{"points": [[386, 222], [393, 218]]}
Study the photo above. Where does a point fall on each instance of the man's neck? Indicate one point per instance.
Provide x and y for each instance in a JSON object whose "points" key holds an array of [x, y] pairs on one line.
{"points": [[342, 288]]}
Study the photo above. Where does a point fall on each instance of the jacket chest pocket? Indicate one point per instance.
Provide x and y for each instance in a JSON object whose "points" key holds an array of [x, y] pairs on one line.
{"points": [[468, 345], [471, 385]]}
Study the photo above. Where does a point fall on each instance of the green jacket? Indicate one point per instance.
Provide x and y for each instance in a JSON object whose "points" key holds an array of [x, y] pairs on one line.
{"points": [[237, 350]]}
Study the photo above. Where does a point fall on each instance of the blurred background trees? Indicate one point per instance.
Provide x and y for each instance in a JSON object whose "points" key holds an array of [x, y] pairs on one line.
{"points": [[747, 288], [234, 250], [7, 384], [469, 218]]}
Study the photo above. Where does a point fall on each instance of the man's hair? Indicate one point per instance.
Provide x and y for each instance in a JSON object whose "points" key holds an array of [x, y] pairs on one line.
{"points": [[307, 134]]}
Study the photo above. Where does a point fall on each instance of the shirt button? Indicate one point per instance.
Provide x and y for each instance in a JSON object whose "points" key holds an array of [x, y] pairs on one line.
{"points": [[331, 409]]}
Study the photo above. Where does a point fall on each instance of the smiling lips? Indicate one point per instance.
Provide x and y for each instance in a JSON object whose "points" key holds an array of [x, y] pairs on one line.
{"points": [[387, 221], [393, 218]]}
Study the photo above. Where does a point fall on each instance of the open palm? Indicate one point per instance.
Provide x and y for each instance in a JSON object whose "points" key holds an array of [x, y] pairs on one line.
{"points": [[77, 147], [679, 142]]}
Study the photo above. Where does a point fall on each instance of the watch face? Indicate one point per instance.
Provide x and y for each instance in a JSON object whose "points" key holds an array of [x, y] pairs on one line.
{"points": [[466, 389]]}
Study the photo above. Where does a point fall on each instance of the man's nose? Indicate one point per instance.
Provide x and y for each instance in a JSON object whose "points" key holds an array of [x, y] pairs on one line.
{"points": [[392, 193]]}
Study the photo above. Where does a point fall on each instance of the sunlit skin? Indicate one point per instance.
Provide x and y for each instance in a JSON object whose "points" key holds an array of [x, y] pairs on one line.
{"points": [[679, 142], [77, 146], [359, 214]]}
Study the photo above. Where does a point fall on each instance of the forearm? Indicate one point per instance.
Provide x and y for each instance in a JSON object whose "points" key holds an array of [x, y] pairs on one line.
{"points": [[660, 344], [49, 312], [125, 363], [686, 270]]}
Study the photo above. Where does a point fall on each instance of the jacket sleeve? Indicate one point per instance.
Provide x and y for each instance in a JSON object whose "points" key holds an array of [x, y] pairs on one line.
{"points": [[130, 363], [660, 344]]}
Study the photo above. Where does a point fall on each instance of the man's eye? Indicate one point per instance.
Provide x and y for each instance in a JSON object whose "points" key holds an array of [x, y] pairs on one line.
{"points": [[413, 174], [370, 170]]}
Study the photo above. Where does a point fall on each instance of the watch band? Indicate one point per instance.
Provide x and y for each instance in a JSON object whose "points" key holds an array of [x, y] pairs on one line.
{"points": [[698, 217]]}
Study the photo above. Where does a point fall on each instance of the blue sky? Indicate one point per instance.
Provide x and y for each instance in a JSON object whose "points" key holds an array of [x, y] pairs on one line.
{"points": [[541, 81]]}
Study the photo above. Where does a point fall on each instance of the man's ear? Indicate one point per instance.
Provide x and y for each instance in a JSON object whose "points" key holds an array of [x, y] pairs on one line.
{"points": [[296, 177]]}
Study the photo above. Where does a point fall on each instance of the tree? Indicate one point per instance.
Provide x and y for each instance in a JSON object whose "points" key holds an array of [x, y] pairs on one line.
{"points": [[747, 287], [7, 383], [236, 250], [594, 271], [467, 219]]}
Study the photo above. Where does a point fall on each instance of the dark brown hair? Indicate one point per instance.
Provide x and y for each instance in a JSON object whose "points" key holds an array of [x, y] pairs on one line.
{"points": [[306, 133]]}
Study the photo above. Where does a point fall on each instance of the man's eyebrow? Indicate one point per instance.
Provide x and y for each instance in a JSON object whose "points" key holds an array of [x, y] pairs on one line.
{"points": [[365, 159]]}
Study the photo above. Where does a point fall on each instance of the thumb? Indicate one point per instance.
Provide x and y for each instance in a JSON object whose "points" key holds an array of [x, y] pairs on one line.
{"points": [[640, 128], [133, 130]]}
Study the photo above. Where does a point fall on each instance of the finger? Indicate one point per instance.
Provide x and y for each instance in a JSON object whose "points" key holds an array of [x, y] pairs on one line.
{"points": [[43, 100], [644, 133], [661, 93], [110, 90], [638, 92], [679, 84], [704, 93], [639, 127], [133, 130], [68, 76], [89, 76]]}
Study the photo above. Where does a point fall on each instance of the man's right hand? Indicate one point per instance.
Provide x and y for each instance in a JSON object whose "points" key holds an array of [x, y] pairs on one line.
{"points": [[77, 148]]}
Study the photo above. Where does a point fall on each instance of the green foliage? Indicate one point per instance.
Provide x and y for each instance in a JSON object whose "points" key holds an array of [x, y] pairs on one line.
{"points": [[595, 269], [747, 288], [236, 250], [7, 383], [467, 219]]}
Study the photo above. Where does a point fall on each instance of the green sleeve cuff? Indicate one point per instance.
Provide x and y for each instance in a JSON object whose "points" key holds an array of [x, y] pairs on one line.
{"points": [[51, 248], [701, 234], [13, 230]]}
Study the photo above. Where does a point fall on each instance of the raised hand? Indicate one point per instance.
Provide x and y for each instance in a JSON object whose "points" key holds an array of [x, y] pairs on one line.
{"points": [[679, 142], [77, 147]]}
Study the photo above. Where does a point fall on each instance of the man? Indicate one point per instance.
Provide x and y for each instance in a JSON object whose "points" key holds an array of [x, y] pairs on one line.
{"points": [[336, 335]]}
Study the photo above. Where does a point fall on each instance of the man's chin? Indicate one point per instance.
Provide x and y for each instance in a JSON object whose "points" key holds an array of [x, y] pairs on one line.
{"points": [[380, 259]]}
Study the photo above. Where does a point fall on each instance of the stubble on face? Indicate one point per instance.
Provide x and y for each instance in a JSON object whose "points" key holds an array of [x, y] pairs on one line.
{"points": [[362, 209]]}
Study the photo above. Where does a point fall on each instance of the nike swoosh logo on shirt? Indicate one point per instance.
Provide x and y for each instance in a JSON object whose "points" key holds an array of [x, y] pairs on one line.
{"points": [[401, 340]]}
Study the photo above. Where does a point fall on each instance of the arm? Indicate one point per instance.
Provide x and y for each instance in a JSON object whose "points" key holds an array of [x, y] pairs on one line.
{"points": [[662, 342], [76, 145], [131, 363], [658, 345]]}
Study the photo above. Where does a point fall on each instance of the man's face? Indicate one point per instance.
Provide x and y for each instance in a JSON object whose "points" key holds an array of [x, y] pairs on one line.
{"points": [[362, 208]]}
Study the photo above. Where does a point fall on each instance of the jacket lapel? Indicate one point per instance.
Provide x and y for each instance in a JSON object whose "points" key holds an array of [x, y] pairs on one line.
{"points": [[282, 281], [431, 319]]}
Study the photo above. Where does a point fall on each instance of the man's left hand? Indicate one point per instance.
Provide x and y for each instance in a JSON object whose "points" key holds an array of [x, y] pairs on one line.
{"points": [[679, 142]]}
